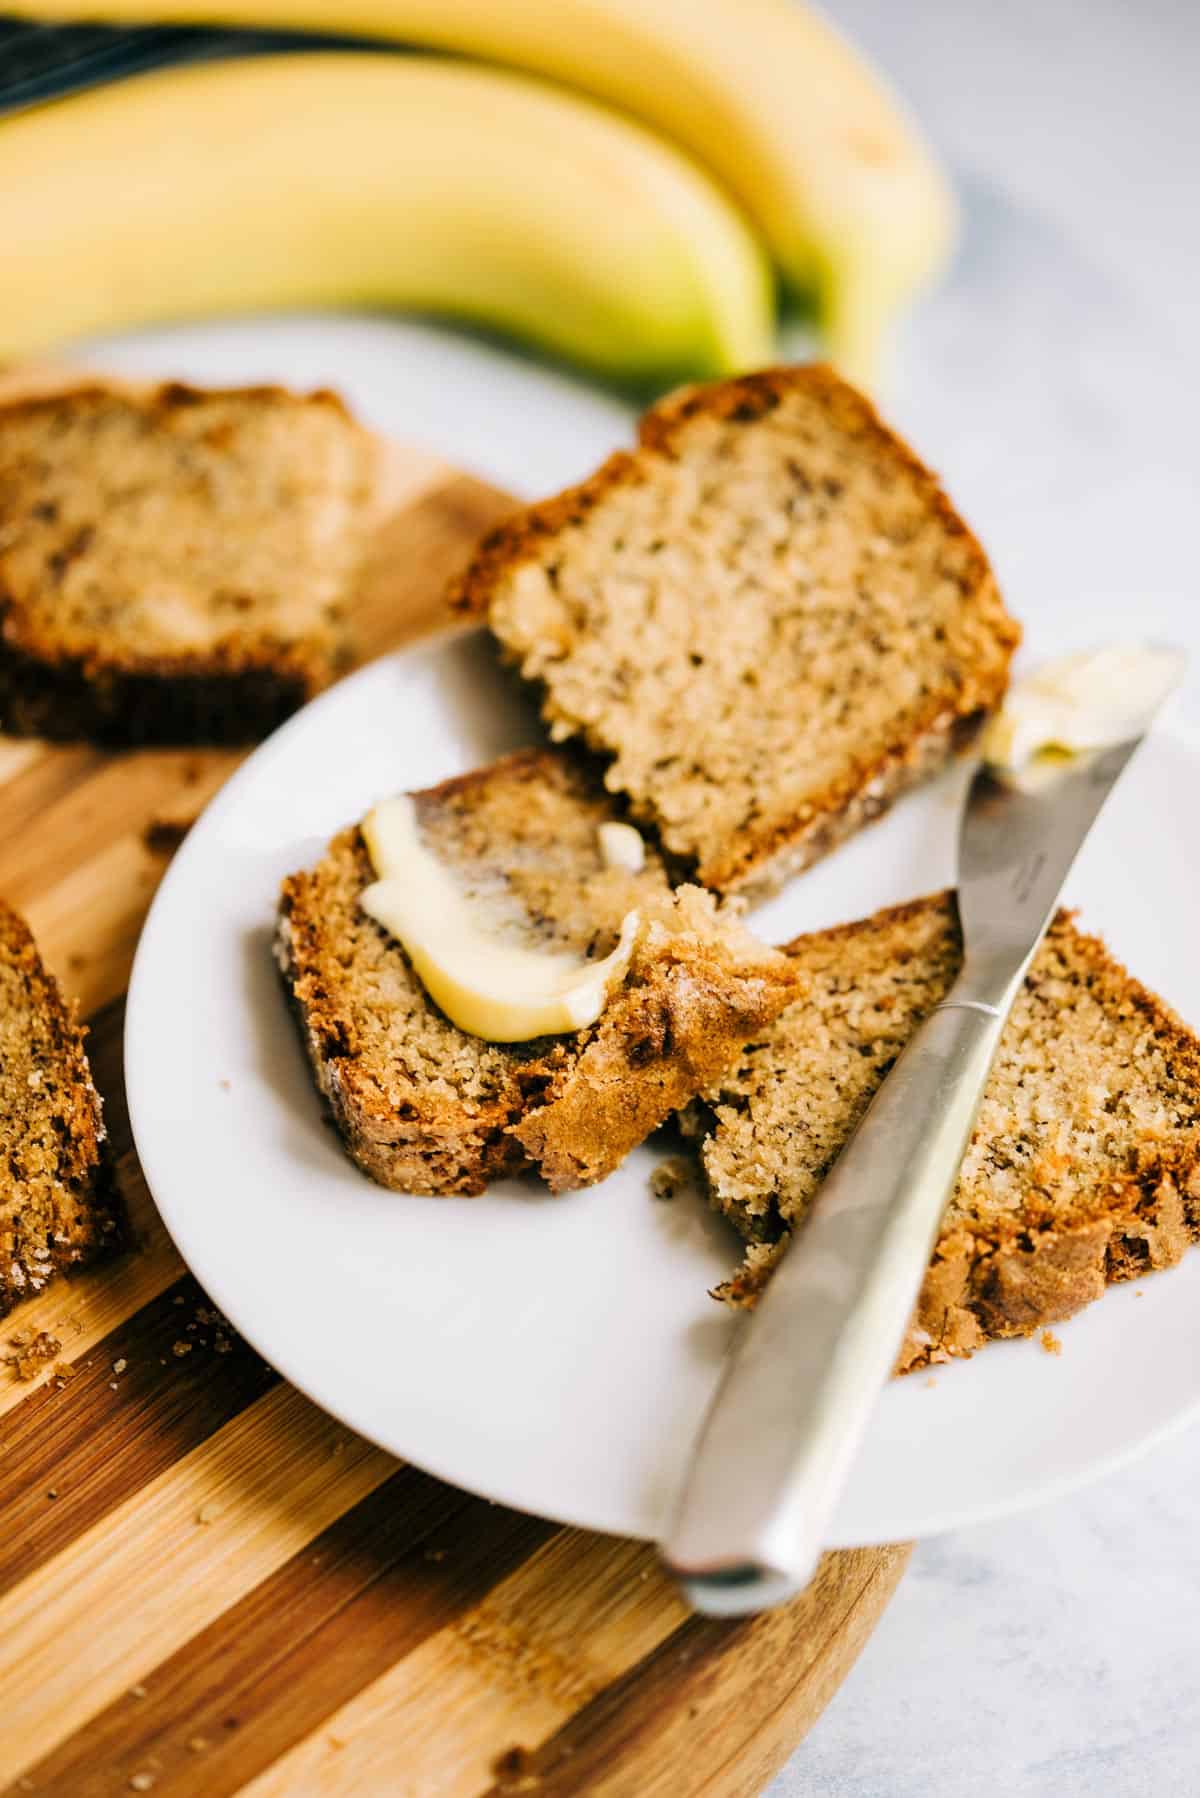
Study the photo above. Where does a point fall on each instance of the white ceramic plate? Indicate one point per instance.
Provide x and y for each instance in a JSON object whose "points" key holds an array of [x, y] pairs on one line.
{"points": [[556, 1354]]}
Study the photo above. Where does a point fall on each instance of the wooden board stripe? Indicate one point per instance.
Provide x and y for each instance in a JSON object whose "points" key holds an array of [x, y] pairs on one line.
{"points": [[147, 1394], [34, 777], [350, 1604], [102, 1614], [511, 1671], [712, 1684]]}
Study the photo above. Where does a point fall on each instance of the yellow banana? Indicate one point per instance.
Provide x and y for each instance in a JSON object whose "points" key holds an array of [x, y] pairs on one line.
{"points": [[793, 123], [374, 179]]}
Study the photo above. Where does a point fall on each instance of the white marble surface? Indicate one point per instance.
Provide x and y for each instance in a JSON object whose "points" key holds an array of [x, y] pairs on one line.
{"points": [[1054, 381]]}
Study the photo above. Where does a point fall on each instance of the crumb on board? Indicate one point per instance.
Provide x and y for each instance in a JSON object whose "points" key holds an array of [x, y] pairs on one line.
{"points": [[209, 1511], [32, 1353], [162, 836], [121, 1365], [1050, 1342], [137, 1691], [198, 1744], [181, 1348], [141, 1782], [670, 1177], [514, 1763]]}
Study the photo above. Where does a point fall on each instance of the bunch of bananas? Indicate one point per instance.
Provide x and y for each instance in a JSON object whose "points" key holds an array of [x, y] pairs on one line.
{"points": [[617, 181]]}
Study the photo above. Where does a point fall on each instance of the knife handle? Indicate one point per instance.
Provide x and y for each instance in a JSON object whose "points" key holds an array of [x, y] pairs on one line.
{"points": [[808, 1365]]}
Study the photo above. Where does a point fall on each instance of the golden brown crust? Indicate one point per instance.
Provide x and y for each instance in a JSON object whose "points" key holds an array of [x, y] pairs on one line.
{"points": [[59, 1207], [762, 852], [423, 1107], [102, 684], [1080, 1216], [684, 1015]]}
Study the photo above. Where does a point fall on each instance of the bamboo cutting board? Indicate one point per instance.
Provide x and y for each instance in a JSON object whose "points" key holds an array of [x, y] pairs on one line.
{"points": [[207, 1586]]}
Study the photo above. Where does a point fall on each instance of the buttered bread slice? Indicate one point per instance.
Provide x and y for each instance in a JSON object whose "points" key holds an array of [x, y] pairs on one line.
{"points": [[424, 1106], [1084, 1167], [769, 618]]}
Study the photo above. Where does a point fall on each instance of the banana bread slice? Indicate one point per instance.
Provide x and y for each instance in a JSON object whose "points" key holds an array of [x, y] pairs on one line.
{"points": [[58, 1203], [174, 562], [1084, 1167], [424, 1107], [769, 617]]}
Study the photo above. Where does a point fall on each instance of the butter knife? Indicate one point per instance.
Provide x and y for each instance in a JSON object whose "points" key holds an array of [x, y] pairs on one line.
{"points": [[808, 1365]]}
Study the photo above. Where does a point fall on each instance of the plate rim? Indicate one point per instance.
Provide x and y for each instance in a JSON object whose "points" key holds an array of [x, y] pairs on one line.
{"points": [[342, 1407]]}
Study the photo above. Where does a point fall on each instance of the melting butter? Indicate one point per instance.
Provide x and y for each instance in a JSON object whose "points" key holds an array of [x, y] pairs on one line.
{"points": [[621, 846], [1081, 702], [489, 986]]}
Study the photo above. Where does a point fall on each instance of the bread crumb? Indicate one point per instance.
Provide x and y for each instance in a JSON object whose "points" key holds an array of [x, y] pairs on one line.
{"points": [[198, 1744], [141, 1782], [137, 1691], [120, 1366], [209, 1512], [162, 836], [931, 1381], [33, 1353], [1050, 1342], [181, 1348], [670, 1177], [53, 1492], [514, 1770]]}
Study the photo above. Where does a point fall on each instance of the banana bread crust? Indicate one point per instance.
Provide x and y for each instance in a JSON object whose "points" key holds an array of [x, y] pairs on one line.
{"points": [[59, 1206]]}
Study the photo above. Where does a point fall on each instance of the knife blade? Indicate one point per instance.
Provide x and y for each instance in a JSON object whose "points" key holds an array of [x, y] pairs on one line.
{"points": [[807, 1367]]}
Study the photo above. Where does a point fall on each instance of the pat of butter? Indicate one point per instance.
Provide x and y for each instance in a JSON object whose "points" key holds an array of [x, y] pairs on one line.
{"points": [[501, 991], [1081, 702], [621, 846]]}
